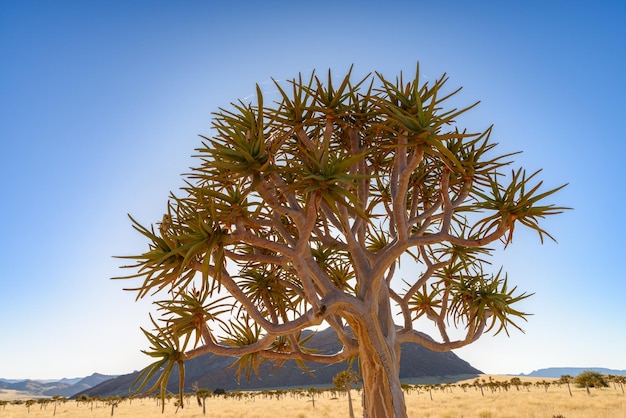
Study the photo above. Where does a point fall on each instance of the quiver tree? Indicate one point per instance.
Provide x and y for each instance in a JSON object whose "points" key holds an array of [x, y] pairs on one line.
{"points": [[343, 381], [299, 213], [201, 395], [516, 381], [567, 379]]}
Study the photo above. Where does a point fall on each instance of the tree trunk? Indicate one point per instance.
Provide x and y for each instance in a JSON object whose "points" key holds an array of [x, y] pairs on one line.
{"points": [[350, 410], [379, 361]]}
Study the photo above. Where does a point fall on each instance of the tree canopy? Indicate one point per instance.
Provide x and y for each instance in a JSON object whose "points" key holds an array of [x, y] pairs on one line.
{"points": [[300, 212]]}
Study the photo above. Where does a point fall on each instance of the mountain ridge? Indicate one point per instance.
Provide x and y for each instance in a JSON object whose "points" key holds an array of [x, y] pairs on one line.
{"points": [[65, 387], [209, 371], [572, 371], [62, 387]]}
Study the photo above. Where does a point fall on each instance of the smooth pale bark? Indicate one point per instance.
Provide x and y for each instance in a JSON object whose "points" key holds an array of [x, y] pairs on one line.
{"points": [[379, 361]]}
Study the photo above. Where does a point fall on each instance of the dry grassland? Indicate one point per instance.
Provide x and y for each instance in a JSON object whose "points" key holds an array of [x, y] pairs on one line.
{"points": [[452, 402]]}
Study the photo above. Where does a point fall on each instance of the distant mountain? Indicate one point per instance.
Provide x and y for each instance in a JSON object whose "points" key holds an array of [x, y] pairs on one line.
{"points": [[7, 381], [71, 381], [63, 387], [213, 371], [572, 371], [84, 384], [36, 388]]}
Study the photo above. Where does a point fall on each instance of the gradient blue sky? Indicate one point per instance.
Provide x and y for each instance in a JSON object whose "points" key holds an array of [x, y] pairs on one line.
{"points": [[101, 104]]}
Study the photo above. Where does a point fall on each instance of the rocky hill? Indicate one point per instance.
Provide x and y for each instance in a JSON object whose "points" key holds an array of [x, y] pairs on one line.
{"points": [[63, 387], [213, 371]]}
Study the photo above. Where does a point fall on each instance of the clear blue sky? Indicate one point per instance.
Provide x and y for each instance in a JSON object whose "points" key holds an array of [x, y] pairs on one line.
{"points": [[101, 104]]}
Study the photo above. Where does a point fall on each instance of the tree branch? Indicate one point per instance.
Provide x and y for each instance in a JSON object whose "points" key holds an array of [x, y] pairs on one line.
{"points": [[411, 336]]}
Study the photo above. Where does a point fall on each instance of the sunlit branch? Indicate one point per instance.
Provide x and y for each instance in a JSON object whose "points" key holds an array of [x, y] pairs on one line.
{"points": [[429, 213], [406, 336], [245, 236], [268, 193], [304, 138], [448, 209], [466, 189], [399, 174], [280, 229], [501, 230], [360, 261], [331, 217], [257, 257], [360, 167], [210, 346]]}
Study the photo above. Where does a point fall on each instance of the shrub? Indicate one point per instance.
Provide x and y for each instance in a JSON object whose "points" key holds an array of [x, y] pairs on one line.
{"points": [[590, 379]]}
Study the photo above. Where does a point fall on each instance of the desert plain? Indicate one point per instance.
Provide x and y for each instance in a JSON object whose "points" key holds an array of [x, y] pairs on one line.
{"points": [[538, 398]]}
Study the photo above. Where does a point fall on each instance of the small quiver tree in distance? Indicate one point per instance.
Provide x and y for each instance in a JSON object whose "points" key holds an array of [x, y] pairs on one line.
{"points": [[343, 381], [567, 379], [516, 381], [298, 214], [201, 395]]}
